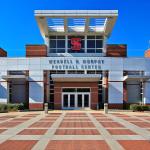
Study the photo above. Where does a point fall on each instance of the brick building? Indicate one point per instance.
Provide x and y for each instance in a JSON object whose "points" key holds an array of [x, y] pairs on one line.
{"points": [[75, 68]]}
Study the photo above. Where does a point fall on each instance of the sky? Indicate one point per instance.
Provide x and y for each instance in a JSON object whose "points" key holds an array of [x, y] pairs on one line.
{"points": [[18, 26]]}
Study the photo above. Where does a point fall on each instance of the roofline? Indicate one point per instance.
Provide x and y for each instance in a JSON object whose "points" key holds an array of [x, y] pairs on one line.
{"points": [[59, 13]]}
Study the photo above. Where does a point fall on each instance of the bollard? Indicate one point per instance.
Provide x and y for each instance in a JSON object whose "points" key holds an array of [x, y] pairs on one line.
{"points": [[106, 108], [97, 106], [46, 108]]}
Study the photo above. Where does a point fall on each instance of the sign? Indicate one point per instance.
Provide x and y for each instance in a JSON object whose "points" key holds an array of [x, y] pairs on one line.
{"points": [[76, 44], [76, 64]]}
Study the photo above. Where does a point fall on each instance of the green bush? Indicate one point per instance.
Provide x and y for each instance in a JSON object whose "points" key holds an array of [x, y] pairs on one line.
{"points": [[11, 107], [3, 108], [145, 108], [15, 107], [136, 107]]}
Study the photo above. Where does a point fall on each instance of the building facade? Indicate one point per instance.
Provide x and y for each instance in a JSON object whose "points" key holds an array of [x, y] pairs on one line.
{"points": [[75, 68]]}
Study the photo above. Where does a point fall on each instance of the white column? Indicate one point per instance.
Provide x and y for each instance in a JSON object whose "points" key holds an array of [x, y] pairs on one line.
{"points": [[115, 87], [3, 88], [36, 89]]}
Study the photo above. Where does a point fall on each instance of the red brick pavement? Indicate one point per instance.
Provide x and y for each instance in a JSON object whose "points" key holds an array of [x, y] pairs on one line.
{"points": [[121, 132], [112, 125], [9, 124], [142, 124], [41, 125], [76, 125], [17, 145], [33, 132], [135, 144], [77, 145], [77, 132]]}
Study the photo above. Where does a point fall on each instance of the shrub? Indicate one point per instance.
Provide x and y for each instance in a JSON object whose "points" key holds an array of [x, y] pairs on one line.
{"points": [[136, 107], [145, 108], [11, 107], [3, 108]]}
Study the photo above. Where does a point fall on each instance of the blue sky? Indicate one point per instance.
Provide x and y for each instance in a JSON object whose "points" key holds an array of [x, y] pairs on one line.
{"points": [[18, 26]]}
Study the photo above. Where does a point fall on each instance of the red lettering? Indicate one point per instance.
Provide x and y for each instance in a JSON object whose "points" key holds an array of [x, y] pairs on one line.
{"points": [[76, 44]]}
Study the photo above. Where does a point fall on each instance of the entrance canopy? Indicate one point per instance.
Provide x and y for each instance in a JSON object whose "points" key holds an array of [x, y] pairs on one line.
{"points": [[136, 77], [76, 77], [15, 77], [75, 22]]}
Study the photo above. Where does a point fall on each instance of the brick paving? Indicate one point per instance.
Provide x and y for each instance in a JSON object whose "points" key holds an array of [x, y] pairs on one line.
{"points": [[17, 145], [75, 130], [77, 145]]}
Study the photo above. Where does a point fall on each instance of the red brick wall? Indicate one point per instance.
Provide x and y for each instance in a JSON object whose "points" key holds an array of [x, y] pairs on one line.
{"points": [[3, 53], [58, 93], [114, 50], [35, 106], [36, 50], [147, 53], [115, 106]]}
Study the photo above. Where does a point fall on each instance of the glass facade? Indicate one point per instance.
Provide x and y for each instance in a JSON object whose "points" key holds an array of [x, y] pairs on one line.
{"points": [[89, 44]]}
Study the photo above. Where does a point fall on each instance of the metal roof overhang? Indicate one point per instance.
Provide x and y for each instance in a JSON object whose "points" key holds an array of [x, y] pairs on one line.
{"points": [[14, 77], [105, 29], [76, 77], [136, 77]]}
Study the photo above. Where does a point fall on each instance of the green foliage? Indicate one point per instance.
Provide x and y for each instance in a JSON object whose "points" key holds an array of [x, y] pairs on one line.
{"points": [[136, 107], [11, 107], [3, 107]]}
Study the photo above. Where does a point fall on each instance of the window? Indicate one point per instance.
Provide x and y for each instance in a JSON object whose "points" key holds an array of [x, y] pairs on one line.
{"points": [[75, 90], [94, 44], [57, 44]]}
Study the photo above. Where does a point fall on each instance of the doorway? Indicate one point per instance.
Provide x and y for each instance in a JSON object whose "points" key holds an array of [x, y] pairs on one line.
{"points": [[76, 99]]}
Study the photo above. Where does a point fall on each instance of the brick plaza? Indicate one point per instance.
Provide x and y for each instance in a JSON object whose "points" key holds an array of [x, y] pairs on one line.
{"points": [[74, 130]]}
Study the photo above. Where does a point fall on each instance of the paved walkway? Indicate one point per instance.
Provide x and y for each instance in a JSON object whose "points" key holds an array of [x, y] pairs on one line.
{"points": [[75, 130]]}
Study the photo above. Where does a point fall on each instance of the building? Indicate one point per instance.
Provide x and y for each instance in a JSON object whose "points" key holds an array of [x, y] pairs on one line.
{"points": [[75, 68]]}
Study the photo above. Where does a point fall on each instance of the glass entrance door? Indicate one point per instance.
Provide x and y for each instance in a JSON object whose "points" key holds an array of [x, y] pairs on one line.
{"points": [[68, 100], [75, 100], [86, 100], [83, 100]]}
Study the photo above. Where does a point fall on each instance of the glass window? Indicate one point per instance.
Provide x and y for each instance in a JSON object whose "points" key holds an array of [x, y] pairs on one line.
{"points": [[71, 72], [52, 43], [90, 43], [99, 50], [69, 90], [53, 51], [60, 50], [90, 37], [90, 50], [99, 43], [60, 43], [52, 37], [60, 37], [99, 37], [83, 90], [90, 72]]}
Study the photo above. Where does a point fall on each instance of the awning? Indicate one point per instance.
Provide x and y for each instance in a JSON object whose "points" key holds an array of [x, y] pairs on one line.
{"points": [[15, 77], [136, 77], [76, 77]]}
